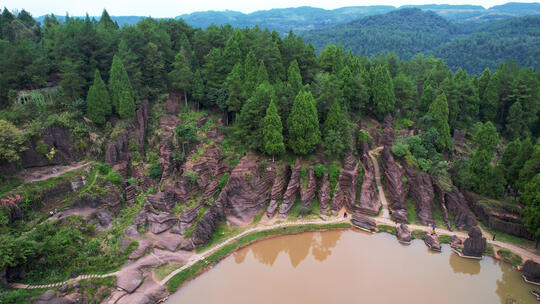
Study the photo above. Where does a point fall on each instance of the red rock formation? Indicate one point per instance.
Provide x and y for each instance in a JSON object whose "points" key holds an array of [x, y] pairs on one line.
{"points": [[247, 190], [395, 190], [348, 179], [324, 194], [475, 244], [292, 191], [187, 217], [277, 192], [368, 202], [421, 191], [307, 195], [464, 219]]}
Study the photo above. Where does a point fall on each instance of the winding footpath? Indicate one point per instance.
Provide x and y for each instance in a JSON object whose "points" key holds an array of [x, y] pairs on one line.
{"points": [[383, 219]]}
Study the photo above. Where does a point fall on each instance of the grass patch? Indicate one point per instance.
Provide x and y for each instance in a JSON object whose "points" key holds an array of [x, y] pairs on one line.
{"points": [[19, 296], [437, 215], [411, 212], [295, 210], [184, 276], [418, 234], [510, 257], [164, 270], [315, 208], [257, 218], [445, 239], [222, 232], [387, 229], [506, 238], [489, 250]]}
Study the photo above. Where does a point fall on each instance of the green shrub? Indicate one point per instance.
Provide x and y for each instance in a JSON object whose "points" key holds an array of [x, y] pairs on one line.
{"points": [[223, 181], [133, 145], [155, 171], [510, 257], [103, 168], [400, 149], [319, 171], [41, 147], [303, 210], [192, 176], [114, 177]]}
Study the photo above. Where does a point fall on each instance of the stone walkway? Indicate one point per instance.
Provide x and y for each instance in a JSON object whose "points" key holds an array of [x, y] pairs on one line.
{"points": [[372, 154]]}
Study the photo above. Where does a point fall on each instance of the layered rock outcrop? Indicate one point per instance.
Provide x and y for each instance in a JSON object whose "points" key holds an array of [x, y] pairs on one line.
{"points": [[324, 194], [498, 216], [53, 137], [292, 191], [308, 193], [396, 191], [475, 244], [422, 194], [464, 219], [363, 221], [368, 201], [277, 192], [347, 185], [247, 190]]}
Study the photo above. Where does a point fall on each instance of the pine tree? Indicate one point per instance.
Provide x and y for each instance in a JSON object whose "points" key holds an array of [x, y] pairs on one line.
{"points": [[181, 76], [262, 74], [98, 102], [490, 98], [119, 85], [232, 54], [303, 125], [249, 126], [236, 89], [273, 132], [516, 126], [336, 131], [382, 92], [250, 73], [197, 89], [348, 88], [294, 79], [438, 110], [483, 82], [428, 96], [126, 108], [487, 137]]}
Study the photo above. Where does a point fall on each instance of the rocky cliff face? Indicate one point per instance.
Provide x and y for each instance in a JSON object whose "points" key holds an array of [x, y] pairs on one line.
{"points": [[531, 271], [276, 193], [422, 194], [324, 195], [307, 194], [248, 190], [498, 216], [347, 184], [55, 137], [292, 191], [368, 201], [464, 219], [396, 191]]}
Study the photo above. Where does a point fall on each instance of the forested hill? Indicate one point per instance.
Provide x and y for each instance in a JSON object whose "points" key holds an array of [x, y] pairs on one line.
{"points": [[309, 18], [407, 32], [410, 31]]}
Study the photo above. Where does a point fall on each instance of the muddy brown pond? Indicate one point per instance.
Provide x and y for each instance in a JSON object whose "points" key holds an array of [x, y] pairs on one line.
{"points": [[352, 267]]}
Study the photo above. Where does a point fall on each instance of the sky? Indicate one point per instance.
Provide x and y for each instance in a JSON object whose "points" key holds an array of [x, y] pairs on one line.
{"points": [[173, 8]]}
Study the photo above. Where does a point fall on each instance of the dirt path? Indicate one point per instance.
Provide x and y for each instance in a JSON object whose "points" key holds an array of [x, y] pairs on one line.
{"points": [[39, 174], [382, 197]]}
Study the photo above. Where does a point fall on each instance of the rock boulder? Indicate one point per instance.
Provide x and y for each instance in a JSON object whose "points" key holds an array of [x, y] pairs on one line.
{"points": [[432, 241], [404, 234], [531, 271], [475, 244], [363, 221]]}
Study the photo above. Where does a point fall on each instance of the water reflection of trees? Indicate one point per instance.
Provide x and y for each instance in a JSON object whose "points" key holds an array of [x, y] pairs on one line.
{"points": [[510, 286], [463, 265], [297, 247]]}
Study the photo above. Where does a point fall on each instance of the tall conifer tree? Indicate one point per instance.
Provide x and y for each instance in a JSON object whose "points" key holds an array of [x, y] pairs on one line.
{"points": [[98, 102], [273, 131]]}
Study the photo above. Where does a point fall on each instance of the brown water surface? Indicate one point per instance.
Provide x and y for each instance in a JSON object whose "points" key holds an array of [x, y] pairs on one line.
{"points": [[352, 267]]}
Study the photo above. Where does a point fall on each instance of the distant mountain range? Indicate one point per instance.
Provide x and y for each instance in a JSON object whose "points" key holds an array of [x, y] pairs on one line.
{"points": [[309, 18], [410, 31]]}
